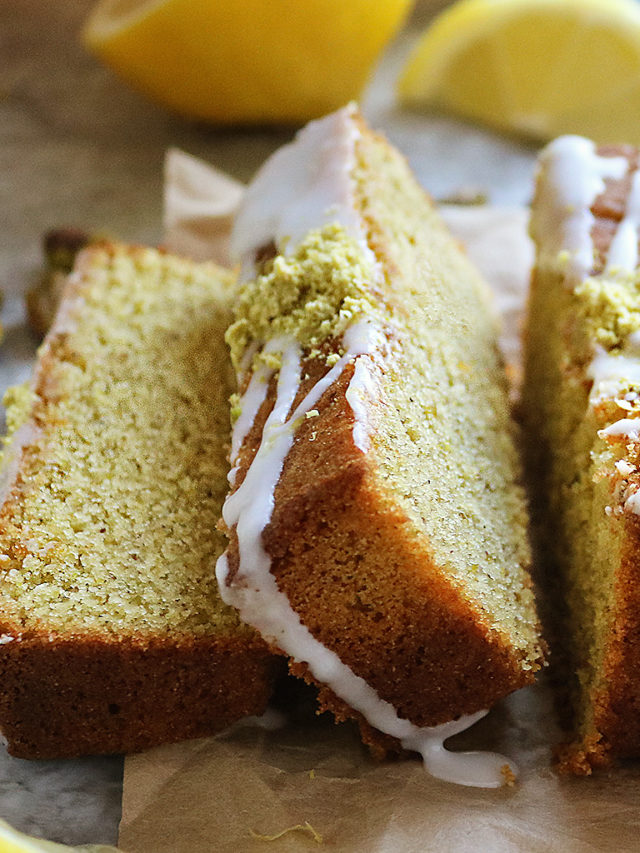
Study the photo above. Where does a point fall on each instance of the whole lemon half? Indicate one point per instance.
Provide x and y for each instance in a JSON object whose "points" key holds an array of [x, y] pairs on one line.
{"points": [[244, 61]]}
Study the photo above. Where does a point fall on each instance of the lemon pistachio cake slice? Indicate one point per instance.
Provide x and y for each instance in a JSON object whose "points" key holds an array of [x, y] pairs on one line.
{"points": [[582, 404], [113, 636], [378, 530]]}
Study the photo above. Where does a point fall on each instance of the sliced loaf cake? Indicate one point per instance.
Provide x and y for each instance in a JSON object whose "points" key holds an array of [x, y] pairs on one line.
{"points": [[378, 527], [113, 636]]}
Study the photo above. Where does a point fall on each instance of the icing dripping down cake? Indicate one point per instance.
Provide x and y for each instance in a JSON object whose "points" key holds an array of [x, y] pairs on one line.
{"points": [[582, 406], [377, 527], [113, 637]]}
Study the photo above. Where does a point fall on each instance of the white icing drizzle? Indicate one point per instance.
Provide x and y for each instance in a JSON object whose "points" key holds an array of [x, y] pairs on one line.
{"points": [[571, 176], [629, 427], [361, 388], [623, 252], [255, 594], [611, 371], [303, 186], [623, 467], [632, 503], [250, 404]]}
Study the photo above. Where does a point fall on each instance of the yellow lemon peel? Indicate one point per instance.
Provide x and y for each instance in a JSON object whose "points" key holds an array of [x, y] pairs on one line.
{"points": [[253, 61], [537, 68]]}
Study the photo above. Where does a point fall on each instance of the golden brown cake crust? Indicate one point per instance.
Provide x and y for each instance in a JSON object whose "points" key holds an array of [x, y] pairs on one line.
{"points": [[78, 695]]}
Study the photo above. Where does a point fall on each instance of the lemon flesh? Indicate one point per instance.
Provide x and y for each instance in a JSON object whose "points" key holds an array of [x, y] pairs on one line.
{"points": [[246, 61], [538, 68]]}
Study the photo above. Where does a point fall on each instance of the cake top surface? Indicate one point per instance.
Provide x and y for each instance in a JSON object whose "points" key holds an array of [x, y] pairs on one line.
{"points": [[302, 187], [308, 272]]}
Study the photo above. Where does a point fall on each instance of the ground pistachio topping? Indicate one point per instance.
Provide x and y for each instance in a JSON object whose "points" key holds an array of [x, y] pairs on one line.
{"points": [[310, 295], [610, 307]]}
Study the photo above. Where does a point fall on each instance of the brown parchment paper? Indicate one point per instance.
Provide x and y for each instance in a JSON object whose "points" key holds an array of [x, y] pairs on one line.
{"points": [[211, 795]]}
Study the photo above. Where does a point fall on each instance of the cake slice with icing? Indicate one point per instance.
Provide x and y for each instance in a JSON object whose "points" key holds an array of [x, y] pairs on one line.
{"points": [[582, 405], [377, 527]]}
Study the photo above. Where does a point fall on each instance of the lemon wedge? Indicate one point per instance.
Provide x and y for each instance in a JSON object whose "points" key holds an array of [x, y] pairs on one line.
{"points": [[537, 68], [247, 61], [12, 841]]}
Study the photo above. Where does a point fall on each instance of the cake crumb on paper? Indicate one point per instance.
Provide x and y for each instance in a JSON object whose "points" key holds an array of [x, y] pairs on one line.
{"points": [[508, 775]]}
